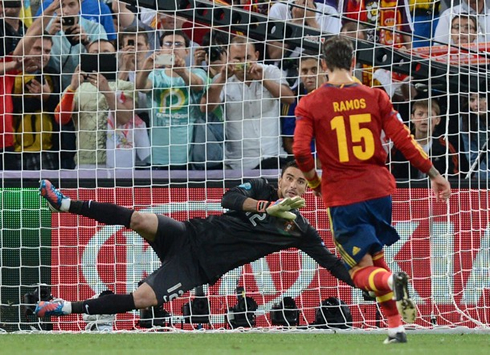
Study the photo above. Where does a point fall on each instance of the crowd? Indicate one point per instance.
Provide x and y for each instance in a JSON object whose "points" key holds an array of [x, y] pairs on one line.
{"points": [[90, 84]]}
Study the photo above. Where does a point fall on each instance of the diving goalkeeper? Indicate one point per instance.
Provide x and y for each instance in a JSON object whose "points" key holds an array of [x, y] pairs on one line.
{"points": [[261, 220]]}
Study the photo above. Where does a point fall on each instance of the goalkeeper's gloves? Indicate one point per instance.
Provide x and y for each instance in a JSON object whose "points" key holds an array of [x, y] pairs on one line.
{"points": [[281, 208]]}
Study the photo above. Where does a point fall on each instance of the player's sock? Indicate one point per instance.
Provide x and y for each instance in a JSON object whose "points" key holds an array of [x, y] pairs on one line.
{"points": [[379, 260], [372, 278], [107, 213], [109, 304], [388, 306]]}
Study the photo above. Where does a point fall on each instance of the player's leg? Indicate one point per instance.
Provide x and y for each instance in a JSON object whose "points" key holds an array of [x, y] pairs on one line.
{"points": [[143, 297], [145, 224]]}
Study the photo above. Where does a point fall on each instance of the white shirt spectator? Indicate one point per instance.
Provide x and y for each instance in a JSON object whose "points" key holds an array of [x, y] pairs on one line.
{"points": [[443, 29], [327, 16], [252, 118]]}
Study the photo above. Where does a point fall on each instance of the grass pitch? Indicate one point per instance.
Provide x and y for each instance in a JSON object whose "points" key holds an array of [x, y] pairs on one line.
{"points": [[240, 343]]}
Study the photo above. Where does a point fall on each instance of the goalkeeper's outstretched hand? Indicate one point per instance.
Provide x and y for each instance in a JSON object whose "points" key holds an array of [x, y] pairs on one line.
{"points": [[282, 208]]}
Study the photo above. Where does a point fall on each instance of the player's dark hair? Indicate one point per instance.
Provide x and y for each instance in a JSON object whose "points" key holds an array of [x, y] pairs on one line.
{"points": [[337, 52], [289, 164]]}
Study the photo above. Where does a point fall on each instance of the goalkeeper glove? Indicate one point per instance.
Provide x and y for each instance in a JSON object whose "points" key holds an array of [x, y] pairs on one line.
{"points": [[282, 208]]}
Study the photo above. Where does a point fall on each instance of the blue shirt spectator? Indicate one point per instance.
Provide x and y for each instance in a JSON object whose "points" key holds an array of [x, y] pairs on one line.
{"points": [[92, 10]]}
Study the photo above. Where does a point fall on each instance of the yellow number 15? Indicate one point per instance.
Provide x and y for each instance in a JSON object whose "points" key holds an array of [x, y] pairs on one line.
{"points": [[362, 138]]}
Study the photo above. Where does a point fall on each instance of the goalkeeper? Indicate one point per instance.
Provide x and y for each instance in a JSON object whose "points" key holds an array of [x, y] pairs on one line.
{"points": [[261, 220]]}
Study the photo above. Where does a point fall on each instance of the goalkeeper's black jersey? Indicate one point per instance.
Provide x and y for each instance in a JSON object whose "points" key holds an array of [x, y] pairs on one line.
{"points": [[235, 238]]}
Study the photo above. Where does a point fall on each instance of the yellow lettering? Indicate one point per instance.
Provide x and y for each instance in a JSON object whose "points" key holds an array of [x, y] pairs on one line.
{"points": [[363, 103], [342, 106], [349, 104], [336, 106]]}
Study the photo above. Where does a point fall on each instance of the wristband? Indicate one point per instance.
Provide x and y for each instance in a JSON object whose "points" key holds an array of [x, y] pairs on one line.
{"points": [[262, 205], [315, 182]]}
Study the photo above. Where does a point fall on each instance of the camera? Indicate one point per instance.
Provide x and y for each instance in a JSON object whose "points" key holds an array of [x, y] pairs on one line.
{"points": [[131, 42], [12, 3], [243, 313], [215, 53], [69, 21], [197, 310]]}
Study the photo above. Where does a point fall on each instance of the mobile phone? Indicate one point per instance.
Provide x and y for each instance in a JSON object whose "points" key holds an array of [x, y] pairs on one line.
{"points": [[69, 21], [103, 63], [131, 42], [165, 59], [12, 3]]}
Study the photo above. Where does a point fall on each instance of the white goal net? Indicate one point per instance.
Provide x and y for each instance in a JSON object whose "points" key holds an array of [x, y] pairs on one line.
{"points": [[145, 136]]}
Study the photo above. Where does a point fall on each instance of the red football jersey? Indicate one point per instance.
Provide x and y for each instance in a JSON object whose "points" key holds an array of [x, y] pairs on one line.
{"points": [[347, 123]]}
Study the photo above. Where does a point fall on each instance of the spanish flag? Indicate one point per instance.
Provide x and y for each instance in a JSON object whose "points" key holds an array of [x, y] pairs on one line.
{"points": [[26, 14]]}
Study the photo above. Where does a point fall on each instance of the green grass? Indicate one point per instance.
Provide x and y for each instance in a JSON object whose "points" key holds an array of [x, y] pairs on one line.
{"points": [[240, 343]]}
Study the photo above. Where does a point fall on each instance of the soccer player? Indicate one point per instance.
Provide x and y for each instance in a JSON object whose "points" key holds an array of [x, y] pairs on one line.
{"points": [[261, 220], [346, 119]]}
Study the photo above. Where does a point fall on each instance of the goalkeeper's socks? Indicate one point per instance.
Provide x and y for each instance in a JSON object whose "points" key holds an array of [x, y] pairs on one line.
{"points": [[372, 278], [109, 304], [107, 213]]}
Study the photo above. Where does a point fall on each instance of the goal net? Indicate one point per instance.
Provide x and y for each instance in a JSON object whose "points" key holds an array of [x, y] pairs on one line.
{"points": [[154, 139]]}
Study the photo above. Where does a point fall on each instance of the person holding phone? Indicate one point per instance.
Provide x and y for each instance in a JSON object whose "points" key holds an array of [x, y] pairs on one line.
{"points": [[71, 35], [36, 94], [12, 28], [88, 102], [175, 91], [10, 66]]}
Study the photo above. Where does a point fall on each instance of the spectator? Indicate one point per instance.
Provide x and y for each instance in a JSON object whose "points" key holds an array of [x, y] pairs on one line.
{"points": [[322, 17], [128, 144], [387, 23], [134, 48], [425, 117], [425, 17], [10, 67], [312, 76], [93, 10], [175, 91], [163, 22], [477, 8], [36, 95], [207, 151], [71, 39], [464, 29], [12, 28], [474, 132], [252, 94], [87, 101]]}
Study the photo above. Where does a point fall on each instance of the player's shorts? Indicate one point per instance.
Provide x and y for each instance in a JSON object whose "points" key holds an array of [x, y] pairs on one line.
{"points": [[180, 271], [362, 228]]}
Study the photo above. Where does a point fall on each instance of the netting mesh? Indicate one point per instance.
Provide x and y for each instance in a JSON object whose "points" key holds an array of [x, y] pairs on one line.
{"points": [[150, 130]]}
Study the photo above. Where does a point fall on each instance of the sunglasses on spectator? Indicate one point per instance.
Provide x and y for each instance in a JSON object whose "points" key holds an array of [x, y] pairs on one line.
{"points": [[173, 44]]}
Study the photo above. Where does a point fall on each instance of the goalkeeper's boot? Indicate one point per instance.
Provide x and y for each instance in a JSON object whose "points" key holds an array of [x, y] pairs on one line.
{"points": [[400, 337], [406, 307], [50, 308], [57, 202]]}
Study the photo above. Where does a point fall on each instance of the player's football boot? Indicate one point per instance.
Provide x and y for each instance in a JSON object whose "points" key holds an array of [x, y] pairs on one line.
{"points": [[54, 196], [406, 307], [399, 337], [50, 308]]}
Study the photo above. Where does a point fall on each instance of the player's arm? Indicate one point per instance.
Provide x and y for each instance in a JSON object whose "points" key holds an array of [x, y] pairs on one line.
{"points": [[316, 249], [403, 141], [245, 197], [303, 134]]}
